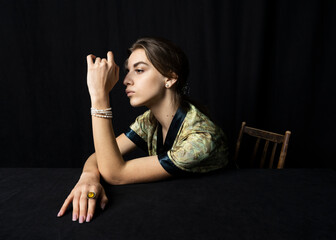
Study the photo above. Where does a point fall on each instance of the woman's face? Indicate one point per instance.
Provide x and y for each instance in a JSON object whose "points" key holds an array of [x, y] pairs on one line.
{"points": [[145, 86]]}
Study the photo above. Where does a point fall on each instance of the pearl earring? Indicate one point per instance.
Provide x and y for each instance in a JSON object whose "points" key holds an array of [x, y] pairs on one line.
{"points": [[167, 85]]}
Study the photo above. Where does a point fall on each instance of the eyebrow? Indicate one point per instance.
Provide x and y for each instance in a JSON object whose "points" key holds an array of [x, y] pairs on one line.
{"points": [[135, 64], [138, 63]]}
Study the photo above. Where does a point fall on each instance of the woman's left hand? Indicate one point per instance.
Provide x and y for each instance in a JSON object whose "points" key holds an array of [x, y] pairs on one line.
{"points": [[102, 75]]}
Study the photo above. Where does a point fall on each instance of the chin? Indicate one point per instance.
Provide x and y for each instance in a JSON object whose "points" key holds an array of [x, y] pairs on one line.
{"points": [[141, 102], [134, 103]]}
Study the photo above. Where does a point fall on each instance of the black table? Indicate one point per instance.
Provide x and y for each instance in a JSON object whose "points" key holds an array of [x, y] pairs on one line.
{"points": [[233, 204]]}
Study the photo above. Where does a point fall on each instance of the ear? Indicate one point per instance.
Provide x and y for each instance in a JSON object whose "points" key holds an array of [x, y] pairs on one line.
{"points": [[169, 82]]}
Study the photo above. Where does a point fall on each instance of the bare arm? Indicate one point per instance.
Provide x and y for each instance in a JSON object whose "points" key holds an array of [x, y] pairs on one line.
{"points": [[107, 161], [111, 164], [125, 146], [102, 76]]}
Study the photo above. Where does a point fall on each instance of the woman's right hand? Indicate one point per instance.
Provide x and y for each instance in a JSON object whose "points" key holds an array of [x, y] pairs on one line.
{"points": [[84, 208], [102, 75]]}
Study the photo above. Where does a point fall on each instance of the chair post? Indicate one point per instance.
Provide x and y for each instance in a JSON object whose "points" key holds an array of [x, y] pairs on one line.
{"points": [[284, 150], [239, 141]]}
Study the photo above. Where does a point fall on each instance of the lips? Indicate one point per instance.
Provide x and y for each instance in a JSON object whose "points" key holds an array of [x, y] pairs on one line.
{"points": [[129, 92]]}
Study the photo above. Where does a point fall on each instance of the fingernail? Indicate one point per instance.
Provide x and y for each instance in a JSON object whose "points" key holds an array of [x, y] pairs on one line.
{"points": [[89, 217], [59, 214], [74, 217], [81, 219], [103, 206]]}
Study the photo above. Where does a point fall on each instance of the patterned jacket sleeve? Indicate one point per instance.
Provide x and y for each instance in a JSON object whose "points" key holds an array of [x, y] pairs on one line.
{"points": [[200, 151], [138, 131]]}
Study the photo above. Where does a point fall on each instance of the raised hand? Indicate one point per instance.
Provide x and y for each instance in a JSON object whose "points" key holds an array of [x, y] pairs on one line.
{"points": [[102, 75]]}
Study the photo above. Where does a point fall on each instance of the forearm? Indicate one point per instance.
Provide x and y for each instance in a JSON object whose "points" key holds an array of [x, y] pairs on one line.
{"points": [[91, 167], [109, 159]]}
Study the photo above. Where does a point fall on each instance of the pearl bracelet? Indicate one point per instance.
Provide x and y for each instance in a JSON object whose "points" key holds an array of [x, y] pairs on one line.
{"points": [[102, 113]]}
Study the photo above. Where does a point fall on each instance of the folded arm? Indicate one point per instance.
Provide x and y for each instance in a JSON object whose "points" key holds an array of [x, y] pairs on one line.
{"points": [[107, 161], [111, 164], [102, 76]]}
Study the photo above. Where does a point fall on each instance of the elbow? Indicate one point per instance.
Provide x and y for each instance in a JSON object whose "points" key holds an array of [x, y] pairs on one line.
{"points": [[115, 181], [113, 178]]}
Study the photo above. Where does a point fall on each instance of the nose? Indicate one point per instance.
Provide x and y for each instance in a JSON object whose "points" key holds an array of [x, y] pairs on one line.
{"points": [[128, 80]]}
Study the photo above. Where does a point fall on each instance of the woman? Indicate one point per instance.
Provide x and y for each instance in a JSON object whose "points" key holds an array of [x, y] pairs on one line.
{"points": [[180, 139]]}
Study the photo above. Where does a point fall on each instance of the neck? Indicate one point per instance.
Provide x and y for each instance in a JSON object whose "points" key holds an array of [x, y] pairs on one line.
{"points": [[164, 112]]}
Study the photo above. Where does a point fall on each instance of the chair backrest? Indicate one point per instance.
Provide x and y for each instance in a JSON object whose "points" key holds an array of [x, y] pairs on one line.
{"points": [[268, 137]]}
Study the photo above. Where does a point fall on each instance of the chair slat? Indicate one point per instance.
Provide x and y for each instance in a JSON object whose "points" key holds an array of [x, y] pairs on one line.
{"points": [[272, 155], [256, 146], [263, 157]]}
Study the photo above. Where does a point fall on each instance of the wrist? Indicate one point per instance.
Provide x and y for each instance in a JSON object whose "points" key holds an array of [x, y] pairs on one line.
{"points": [[92, 175], [100, 102]]}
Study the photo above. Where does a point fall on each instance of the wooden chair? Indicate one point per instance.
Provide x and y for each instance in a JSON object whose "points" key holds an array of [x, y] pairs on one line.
{"points": [[268, 137]]}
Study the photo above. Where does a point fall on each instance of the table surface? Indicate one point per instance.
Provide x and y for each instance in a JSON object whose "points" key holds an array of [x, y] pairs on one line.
{"points": [[233, 204]]}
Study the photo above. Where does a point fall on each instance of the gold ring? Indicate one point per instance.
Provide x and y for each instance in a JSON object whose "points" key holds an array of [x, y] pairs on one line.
{"points": [[91, 195]]}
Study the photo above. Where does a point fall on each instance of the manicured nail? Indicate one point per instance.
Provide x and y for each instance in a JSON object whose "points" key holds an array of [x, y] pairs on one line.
{"points": [[103, 205], [81, 219], [74, 217], [89, 217], [59, 214]]}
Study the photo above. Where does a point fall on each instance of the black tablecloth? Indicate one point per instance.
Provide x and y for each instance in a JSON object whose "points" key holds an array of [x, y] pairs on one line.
{"points": [[233, 204]]}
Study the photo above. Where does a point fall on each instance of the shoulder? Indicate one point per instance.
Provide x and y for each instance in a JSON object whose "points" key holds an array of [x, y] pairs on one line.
{"points": [[142, 122], [145, 117], [141, 129], [200, 145], [195, 121]]}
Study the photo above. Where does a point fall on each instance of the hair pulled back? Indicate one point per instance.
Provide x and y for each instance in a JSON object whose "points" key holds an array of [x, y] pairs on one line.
{"points": [[169, 60]]}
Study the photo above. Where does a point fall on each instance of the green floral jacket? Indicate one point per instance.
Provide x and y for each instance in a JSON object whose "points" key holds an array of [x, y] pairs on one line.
{"points": [[193, 144]]}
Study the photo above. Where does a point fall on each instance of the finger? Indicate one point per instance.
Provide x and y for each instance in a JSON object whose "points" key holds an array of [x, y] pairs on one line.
{"points": [[83, 208], [75, 207], [89, 59], [91, 209], [103, 199], [65, 205], [110, 57], [103, 60], [97, 60]]}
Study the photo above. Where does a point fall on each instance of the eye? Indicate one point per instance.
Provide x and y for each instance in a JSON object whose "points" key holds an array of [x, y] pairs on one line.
{"points": [[138, 71]]}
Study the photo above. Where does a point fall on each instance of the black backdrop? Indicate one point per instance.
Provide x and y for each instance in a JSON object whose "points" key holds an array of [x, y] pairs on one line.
{"points": [[270, 63]]}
